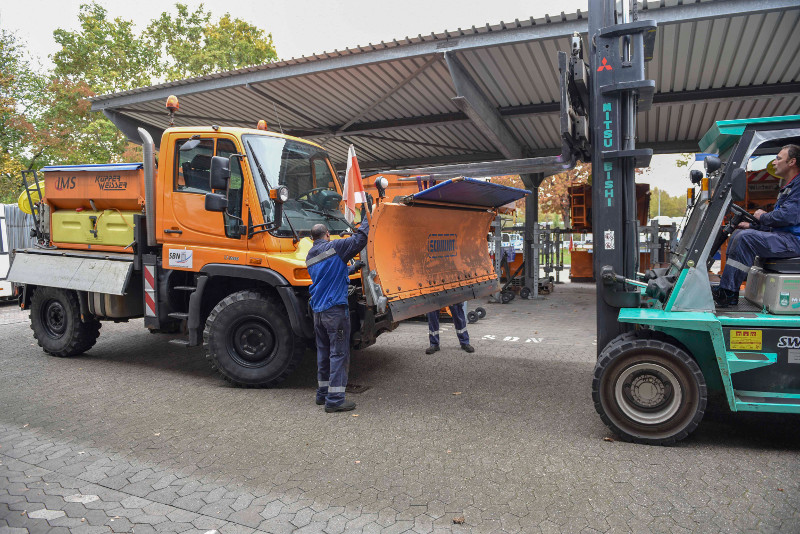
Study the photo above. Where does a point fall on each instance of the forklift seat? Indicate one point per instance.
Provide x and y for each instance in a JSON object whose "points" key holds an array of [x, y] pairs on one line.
{"points": [[779, 265]]}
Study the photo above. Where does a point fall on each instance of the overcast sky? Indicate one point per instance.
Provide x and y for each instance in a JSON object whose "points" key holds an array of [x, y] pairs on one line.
{"points": [[303, 27]]}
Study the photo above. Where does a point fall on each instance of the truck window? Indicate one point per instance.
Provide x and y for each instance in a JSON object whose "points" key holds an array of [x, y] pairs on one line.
{"points": [[322, 174], [233, 216], [192, 167]]}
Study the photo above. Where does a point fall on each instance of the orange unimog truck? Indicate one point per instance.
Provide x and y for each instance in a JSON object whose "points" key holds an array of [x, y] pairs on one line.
{"points": [[212, 242]]}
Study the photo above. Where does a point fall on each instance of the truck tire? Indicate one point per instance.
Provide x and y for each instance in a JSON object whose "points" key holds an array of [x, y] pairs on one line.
{"points": [[56, 323], [249, 340], [648, 390]]}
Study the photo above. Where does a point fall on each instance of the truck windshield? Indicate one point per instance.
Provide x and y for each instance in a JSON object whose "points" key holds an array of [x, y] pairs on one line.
{"points": [[304, 169]]}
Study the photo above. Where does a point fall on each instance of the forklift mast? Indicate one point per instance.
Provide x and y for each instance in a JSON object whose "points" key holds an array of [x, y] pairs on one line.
{"points": [[618, 46]]}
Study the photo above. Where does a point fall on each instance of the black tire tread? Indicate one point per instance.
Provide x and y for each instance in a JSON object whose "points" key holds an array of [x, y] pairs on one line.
{"points": [[644, 339], [85, 333], [298, 348]]}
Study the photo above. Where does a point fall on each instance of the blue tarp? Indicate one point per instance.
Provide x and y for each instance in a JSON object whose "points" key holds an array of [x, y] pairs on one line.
{"points": [[472, 193], [94, 167]]}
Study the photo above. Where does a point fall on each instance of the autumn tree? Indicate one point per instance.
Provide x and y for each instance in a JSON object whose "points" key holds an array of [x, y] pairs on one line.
{"points": [[670, 206], [46, 117], [554, 190]]}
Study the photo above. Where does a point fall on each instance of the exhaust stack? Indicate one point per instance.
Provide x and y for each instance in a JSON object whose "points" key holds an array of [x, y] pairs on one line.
{"points": [[149, 186]]}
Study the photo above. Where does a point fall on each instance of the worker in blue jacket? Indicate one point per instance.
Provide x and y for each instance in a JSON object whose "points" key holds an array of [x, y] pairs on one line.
{"points": [[776, 235], [327, 263]]}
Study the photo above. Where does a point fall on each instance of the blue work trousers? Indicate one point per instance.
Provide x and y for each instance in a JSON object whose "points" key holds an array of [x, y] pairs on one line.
{"points": [[459, 322], [745, 245], [332, 328]]}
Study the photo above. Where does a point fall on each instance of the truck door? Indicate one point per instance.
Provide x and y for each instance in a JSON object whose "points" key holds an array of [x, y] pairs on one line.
{"points": [[208, 237]]}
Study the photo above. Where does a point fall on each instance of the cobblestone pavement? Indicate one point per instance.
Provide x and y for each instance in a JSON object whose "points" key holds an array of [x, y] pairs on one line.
{"points": [[139, 435]]}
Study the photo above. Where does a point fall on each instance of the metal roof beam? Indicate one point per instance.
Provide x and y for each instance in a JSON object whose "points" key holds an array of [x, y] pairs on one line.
{"points": [[475, 105], [433, 160], [377, 102], [129, 126]]}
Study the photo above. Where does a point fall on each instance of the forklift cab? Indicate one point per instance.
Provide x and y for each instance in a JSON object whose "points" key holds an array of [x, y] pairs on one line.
{"points": [[685, 285], [651, 383]]}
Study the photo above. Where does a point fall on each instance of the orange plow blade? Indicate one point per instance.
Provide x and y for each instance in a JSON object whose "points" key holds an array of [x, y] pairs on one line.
{"points": [[424, 255]]}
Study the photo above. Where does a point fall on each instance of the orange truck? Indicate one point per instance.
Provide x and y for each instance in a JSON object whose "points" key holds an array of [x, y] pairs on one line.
{"points": [[211, 242]]}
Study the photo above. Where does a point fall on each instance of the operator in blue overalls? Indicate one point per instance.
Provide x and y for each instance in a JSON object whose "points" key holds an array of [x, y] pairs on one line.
{"points": [[459, 323], [327, 265], [776, 235]]}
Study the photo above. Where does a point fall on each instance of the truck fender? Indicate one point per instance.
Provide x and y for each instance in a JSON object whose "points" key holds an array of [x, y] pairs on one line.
{"points": [[295, 309]]}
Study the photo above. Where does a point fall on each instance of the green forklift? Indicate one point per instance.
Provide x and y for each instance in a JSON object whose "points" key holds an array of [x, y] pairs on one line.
{"points": [[652, 381]]}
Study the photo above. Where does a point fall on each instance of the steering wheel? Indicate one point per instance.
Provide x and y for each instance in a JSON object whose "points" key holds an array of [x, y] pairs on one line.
{"points": [[305, 198], [739, 214], [743, 214]]}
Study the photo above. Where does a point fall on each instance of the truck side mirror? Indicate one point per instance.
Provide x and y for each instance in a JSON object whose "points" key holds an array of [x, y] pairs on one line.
{"points": [[216, 201], [739, 184], [220, 173]]}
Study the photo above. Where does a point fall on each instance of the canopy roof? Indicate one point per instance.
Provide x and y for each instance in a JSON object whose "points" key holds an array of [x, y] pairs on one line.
{"points": [[491, 91]]}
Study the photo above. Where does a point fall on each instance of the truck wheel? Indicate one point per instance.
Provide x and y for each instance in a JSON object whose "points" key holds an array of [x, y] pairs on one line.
{"points": [[648, 391], [250, 341], [56, 323]]}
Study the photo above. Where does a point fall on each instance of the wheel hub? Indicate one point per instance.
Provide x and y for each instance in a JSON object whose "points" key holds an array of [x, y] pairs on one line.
{"points": [[253, 342], [55, 318], [648, 393]]}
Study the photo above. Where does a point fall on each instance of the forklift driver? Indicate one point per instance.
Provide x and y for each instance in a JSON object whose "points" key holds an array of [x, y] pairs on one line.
{"points": [[776, 235]]}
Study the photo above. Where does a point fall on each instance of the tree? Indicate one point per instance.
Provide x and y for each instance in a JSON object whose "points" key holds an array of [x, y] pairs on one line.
{"points": [[554, 190], [670, 206], [189, 45], [23, 98], [105, 56]]}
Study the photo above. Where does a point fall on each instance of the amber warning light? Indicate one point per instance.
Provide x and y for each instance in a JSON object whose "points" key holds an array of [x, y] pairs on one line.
{"points": [[172, 106], [262, 125]]}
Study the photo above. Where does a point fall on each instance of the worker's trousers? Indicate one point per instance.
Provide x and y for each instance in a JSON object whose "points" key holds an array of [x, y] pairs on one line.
{"points": [[745, 245], [459, 322], [332, 329]]}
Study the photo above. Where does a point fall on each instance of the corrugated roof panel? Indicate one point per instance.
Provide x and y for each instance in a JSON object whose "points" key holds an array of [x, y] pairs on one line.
{"points": [[398, 119]]}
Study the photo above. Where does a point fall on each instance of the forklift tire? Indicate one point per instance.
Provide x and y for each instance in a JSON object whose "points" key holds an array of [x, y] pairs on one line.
{"points": [[472, 317], [56, 323], [481, 312], [648, 390], [249, 340], [524, 293], [506, 296]]}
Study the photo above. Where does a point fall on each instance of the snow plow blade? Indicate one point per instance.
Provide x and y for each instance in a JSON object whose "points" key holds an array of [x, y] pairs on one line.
{"points": [[430, 250]]}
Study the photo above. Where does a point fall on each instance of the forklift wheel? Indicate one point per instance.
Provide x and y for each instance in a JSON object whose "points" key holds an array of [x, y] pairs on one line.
{"points": [[472, 317], [524, 293], [481, 312], [648, 391], [506, 296]]}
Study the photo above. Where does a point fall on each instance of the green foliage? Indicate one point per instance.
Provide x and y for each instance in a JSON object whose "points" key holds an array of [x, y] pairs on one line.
{"points": [[189, 45], [106, 54], [685, 160], [670, 206], [46, 117]]}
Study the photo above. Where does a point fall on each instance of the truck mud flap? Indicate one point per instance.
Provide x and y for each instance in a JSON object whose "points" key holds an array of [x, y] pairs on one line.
{"points": [[425, 257]]}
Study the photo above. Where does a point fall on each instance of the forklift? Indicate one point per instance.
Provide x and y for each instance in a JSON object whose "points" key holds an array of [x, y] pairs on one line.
{"points": [[662, 344]]}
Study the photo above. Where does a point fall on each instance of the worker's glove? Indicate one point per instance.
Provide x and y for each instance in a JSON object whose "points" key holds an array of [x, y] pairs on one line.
{"points": [[357, 266], [363, 212]]}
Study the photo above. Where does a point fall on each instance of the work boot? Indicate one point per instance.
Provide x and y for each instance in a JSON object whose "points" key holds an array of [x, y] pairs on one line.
{"points": [[432, 349], [466, 347], [724, 298], [320, 401], [346, 406]]}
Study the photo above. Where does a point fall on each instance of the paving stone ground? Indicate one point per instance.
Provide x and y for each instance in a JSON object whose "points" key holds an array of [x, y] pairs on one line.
{"points": [[139, 435]]}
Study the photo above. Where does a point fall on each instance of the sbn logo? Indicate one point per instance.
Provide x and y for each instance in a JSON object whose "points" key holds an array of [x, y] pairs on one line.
{"points": [[65, 182]]}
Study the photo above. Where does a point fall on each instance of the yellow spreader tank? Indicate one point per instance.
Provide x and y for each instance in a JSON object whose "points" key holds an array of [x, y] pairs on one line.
{"points": [[92, 206]]}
